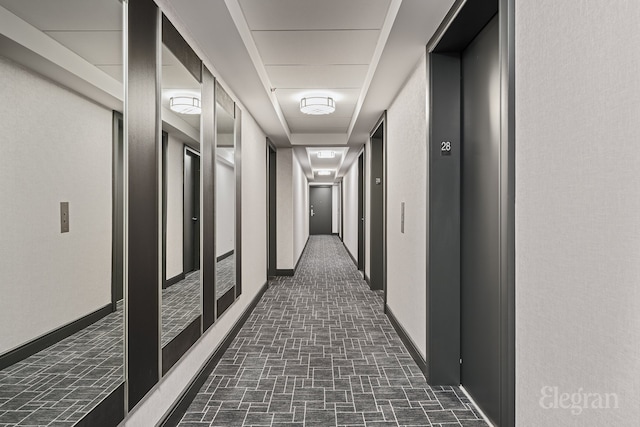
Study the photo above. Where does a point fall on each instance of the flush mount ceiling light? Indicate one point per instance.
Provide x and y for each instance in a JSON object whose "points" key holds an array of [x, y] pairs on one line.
{"points": [[185, 105], [317, 105], [324, 172], [326, 154]]}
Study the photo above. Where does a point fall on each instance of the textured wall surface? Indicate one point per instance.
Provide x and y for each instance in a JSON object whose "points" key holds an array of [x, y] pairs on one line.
{"points": [[577, 204], [300, 210], [225, 207], [175, 206], [55, 146], [284, 200], [350, 210], [407, 182]]}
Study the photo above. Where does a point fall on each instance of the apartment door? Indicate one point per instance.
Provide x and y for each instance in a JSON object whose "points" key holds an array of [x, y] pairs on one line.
{"points": [[191, 237], [376, 218], [320, 209], [480, 220]]}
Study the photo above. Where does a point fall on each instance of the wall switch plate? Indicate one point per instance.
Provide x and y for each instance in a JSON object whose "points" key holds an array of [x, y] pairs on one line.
{"points": [[64, 217]]}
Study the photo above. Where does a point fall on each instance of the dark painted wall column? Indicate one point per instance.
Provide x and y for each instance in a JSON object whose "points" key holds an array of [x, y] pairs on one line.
{"points": [[143, 199]]}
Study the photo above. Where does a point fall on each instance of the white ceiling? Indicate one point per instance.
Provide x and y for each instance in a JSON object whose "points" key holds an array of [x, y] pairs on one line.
{"points": [[271, 53]]}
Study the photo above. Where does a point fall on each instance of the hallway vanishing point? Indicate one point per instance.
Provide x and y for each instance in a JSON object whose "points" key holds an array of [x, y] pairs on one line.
{"points": [[318, 350]]}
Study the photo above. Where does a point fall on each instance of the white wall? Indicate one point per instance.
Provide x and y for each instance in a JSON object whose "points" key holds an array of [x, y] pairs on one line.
{"points": [[254, 234], [335, 209], [577, 208], [175, 206], [225, 207], [300, 210], [284, 208], [350, 209], [55, 147], [406, 182]]}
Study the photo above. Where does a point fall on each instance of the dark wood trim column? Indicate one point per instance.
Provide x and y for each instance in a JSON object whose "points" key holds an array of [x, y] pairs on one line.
{"points": [[238, 171], [208, 164], [143, 148]]}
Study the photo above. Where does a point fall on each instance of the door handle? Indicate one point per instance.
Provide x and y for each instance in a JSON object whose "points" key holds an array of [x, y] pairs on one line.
{"points": [[194, 219], [312, 214]]}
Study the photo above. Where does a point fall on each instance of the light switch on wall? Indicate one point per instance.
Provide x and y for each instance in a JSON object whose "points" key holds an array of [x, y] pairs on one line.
{"points": [[64, 217]]}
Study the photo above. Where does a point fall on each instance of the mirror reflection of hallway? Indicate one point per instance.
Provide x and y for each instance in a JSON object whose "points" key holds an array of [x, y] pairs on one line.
{"points": [[320, 209]]}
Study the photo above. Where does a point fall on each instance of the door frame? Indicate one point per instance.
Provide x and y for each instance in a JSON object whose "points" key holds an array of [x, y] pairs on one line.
{"points": [[327, 185], [362, 207], [382, 121], [192, 152], [462, 23], [272, 194]]}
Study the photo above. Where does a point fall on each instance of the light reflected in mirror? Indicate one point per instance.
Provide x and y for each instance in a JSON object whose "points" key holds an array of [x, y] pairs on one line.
{"points": [[225, 204], [181, 294], [61, 200]]}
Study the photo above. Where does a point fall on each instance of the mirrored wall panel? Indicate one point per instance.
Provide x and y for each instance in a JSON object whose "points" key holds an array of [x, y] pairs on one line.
{"points": [[61, 200], [225, 200], [181, 115]]}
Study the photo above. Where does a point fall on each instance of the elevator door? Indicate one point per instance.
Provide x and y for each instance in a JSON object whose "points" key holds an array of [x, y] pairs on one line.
{"points": [[480, 343]]}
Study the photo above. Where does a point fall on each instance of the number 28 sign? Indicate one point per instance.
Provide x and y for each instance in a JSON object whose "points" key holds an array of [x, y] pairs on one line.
{"points": [[445, 148]]}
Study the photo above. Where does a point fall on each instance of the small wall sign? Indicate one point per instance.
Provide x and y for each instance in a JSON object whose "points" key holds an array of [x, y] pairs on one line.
{"points": [[445, 148]]}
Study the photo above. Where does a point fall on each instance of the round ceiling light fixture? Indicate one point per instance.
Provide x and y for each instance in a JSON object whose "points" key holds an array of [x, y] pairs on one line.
{"points": [[185, 105], [317, 105]]}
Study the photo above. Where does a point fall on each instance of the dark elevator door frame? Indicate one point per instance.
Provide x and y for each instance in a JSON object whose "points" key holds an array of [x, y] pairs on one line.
{"points": [[450, 252], [320, 209], [272, 245]]}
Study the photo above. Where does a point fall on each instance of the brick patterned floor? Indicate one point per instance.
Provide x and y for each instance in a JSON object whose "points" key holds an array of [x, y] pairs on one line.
{"points": [[319, 351], [180, 306]]}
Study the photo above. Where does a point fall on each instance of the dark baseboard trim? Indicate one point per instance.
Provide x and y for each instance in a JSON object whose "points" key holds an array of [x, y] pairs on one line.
{"points": [[335, 234], [225, 301], [366, 279], [223, 256], [109, 412], [355, 261], [173, 280], [411, 347], [173, 351], [53, 337], [289, 272], [302, 253], [182, 404]]}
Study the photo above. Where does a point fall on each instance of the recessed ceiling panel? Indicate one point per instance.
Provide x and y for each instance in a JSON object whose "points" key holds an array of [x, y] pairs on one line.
{"points": [[320, 124], [315, 76], [316, 47], [314, 14], [79, 15]]}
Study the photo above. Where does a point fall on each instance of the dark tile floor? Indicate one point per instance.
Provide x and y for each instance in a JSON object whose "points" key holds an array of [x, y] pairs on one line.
{"points": [[181, 304], [319, 351], [61, 384]]}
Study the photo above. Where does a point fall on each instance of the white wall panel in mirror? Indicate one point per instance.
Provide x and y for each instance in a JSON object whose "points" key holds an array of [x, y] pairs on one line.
{"points": [[225, 201], [181, 294], [61, 200]]}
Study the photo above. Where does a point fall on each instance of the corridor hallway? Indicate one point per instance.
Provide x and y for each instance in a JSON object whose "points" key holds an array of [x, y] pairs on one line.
{"points": [[319, 351]]}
